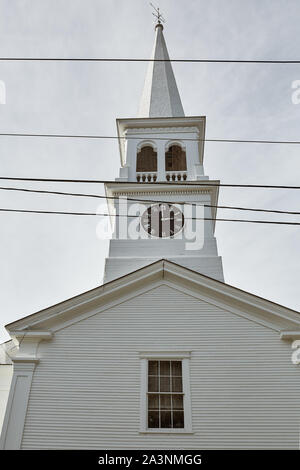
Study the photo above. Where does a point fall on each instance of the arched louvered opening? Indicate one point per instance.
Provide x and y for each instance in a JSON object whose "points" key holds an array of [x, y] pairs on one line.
{"points": [[146, 160], [175, 159]]}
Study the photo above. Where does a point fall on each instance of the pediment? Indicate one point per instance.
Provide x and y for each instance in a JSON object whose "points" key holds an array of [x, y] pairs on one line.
{"points": [[268, 314]]}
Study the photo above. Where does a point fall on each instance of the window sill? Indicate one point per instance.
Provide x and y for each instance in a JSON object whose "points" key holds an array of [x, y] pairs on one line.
{"points": [[166, 431]]}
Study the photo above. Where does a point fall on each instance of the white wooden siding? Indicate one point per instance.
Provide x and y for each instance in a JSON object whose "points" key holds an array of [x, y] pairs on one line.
{"points": [[86, 390]]}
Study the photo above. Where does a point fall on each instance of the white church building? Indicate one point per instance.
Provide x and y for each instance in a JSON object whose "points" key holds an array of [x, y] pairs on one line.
{"points": [[164, 354]]}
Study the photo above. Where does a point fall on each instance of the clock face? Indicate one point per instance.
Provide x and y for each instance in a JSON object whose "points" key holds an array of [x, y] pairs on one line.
{"points": [[162, 220]]}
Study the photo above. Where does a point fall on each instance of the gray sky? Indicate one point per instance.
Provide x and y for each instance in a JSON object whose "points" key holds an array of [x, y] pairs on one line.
{"points": [[47, 258]]}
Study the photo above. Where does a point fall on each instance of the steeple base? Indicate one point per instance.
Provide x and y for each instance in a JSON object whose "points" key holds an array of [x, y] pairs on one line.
{"points": [[208, 265]]}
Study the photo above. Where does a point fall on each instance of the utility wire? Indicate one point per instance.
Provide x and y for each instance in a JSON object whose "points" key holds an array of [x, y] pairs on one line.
{"points": [[136, 216], [98, 196], [119, 59], [205, 183], [78, 136]]}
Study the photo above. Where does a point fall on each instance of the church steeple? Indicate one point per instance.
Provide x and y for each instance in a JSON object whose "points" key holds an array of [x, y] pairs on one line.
{"points": [[160, 97], [159, 213]]}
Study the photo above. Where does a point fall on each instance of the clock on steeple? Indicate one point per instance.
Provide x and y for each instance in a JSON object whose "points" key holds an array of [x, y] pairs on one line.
{"points": [[162, 220]]}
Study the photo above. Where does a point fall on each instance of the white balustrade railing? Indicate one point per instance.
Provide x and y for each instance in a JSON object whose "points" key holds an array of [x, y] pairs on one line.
{"points": [[151, 176], [176, 175], [146, 176]]}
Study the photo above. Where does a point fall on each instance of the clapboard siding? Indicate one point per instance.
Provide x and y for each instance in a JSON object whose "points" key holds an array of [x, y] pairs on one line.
{"points": [[86, 389]]}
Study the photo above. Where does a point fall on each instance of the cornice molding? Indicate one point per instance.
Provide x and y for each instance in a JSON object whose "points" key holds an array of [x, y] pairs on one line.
{"points": [[160, 193], [161, 130], [27, 342], [163, 189], [290, 335], [167, 353]]}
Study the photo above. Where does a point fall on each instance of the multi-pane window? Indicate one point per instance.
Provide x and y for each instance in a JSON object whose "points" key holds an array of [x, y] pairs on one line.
{"points": [[165, 394]]}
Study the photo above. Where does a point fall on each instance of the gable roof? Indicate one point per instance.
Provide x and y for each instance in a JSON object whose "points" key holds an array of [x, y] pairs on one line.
{"points": [[225, 296]]}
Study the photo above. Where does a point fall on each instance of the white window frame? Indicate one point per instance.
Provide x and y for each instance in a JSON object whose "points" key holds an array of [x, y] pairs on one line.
{"points": [[184, 357]]}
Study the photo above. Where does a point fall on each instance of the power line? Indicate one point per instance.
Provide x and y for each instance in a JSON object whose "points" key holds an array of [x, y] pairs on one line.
{"points": [[136, 216], [102, 137], [205, 183], [28, 211], [126, 59], [61, 193]]}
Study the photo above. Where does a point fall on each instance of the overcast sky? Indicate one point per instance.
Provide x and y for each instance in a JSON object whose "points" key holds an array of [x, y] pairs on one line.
{"points": [[48, 258]]}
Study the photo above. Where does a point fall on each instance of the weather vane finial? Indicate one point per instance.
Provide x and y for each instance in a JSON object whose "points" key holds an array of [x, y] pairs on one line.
{"points": [[158, 15]]}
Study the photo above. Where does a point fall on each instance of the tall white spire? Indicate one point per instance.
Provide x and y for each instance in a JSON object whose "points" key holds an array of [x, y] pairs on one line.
{"points": [[160, 96]]}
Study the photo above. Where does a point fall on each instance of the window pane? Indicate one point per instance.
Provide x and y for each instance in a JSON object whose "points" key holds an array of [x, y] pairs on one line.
{"points": [[165, 418], [178, 420], [153, 368], [176, 384], [164, 384], [153, 419], [165, 402], [177, 402], [153, 402], [176, 368], [152, 384], [164, 367]]}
